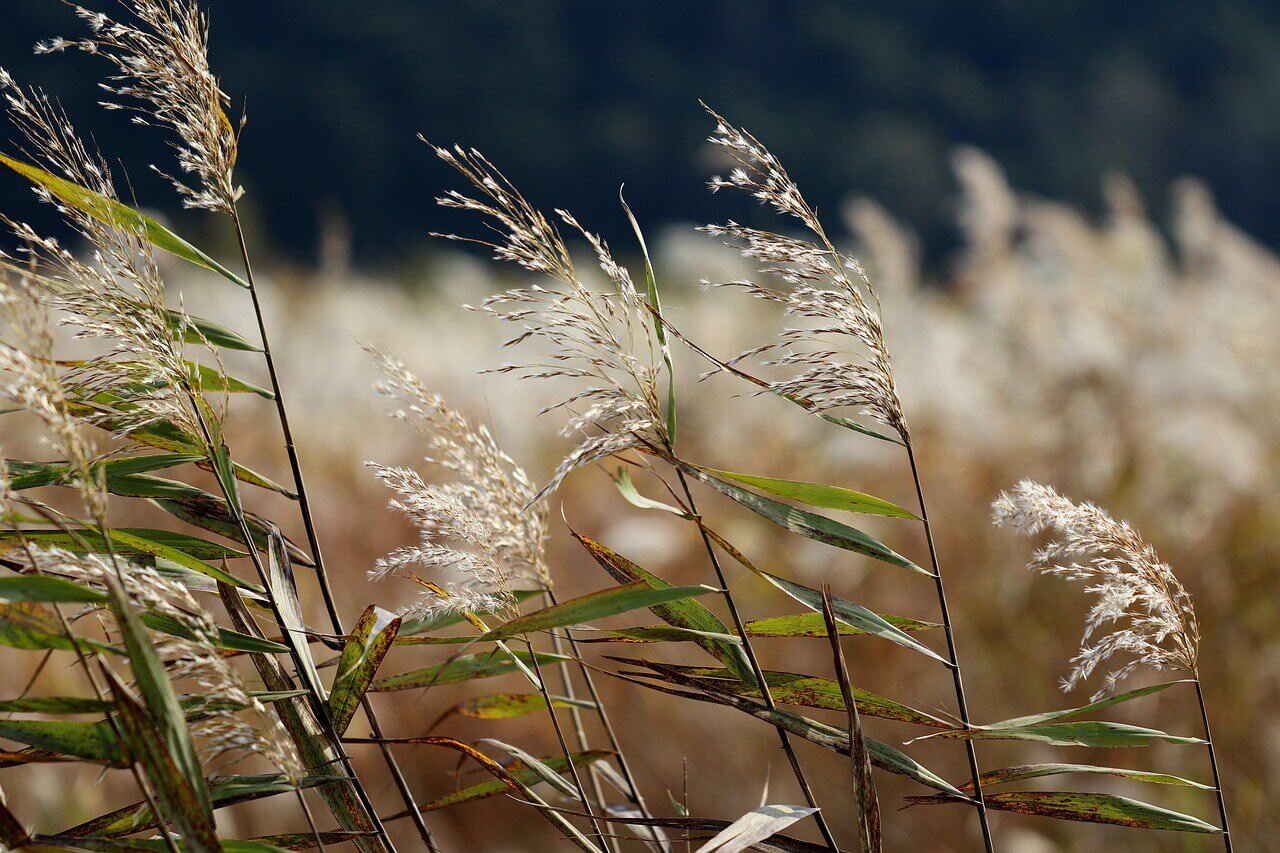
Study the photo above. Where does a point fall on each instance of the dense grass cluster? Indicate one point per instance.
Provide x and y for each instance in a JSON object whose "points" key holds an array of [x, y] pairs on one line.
{"points": [[198, 647]]}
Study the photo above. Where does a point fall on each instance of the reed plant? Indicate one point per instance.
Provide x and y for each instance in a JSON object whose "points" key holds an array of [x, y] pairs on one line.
{"points": [[194, 634]]}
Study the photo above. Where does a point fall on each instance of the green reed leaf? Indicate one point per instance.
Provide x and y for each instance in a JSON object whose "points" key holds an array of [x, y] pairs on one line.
{"points": [[117, 215], [848, 612], [363, 653], [144, 544], [183, 800], [635, 595], [162, 708], [1099, 705], [810, 625], [86, 541], [30, 475], [494, 787], [817, 494], [1087, 808], [223, 790], [811, 691], [682, 614], [809, 525], [622, 479], [466, 668], [95, 741], [40, 588], [505, 706], [30, 625], [1088, 733], [1006, 775], [882, 755]]}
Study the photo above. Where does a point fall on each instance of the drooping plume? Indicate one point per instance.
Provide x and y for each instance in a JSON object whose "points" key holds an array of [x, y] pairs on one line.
{"points": [[601, 342], [162, 76], [477, 536], [114, 295], [1142, 613], [826, 288]]}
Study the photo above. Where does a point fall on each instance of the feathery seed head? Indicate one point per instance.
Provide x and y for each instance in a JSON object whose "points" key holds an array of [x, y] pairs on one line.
{"points": [[1143, 611], [115, 295], [162, 76], [479, 528], [827, 289], [602, 341]]}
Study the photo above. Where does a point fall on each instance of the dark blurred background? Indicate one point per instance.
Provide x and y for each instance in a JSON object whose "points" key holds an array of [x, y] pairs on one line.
{"points": [[574, 97]]}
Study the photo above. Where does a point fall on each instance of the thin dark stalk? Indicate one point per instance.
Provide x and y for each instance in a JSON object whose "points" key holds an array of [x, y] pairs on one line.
{"points": [[318, 707], [313, 539], [1213, 761], [633, 789], [765, 692], [564, 744], [961, 704]]}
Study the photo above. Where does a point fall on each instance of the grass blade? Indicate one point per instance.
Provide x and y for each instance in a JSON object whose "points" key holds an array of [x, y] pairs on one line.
{"points": [[809, 525], [817, 494], [185, 803], [466, 668], [1089, 733], [368, 644], [162, 707], [1021, 772], [847, 612], [866, 803], [682, 614], [755, 826], [810, 625], [636, 595], [1088, 808], [117, 215]]}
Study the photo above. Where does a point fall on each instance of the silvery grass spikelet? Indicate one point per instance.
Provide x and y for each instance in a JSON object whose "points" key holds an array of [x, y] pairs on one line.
{"points": [[602, 342], [1143, 612], [825, 286], [29, 380], [115, 296], [475, 529], [163, 78]]}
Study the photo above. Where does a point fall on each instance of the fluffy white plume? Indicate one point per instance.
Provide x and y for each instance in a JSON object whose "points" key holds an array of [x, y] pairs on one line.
{"points": [[1143, 612], [601, 342]]}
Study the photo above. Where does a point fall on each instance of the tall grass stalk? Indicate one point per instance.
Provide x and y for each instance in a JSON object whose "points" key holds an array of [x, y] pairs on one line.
{"points": [[313, 539], [1213, 762], [958, 680]]}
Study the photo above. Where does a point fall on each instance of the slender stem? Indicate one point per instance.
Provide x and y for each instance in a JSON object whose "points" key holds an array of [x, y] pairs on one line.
{"points": [[564, 745], [765, 692], [313, 539], [633, 790], [1213, 761], [951, 652], [316, 702]]}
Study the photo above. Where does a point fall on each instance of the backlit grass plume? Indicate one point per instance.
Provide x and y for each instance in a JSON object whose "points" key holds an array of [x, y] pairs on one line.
{"points": [[115, 296], [163, 78], [826, 287], [475, 529], [602, 342], [1143, 612]]}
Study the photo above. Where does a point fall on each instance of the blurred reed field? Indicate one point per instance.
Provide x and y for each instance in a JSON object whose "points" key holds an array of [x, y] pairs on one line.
{"points": [[1123, 358]]}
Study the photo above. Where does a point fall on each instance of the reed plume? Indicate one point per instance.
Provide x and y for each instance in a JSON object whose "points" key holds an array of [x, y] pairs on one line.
{"points": [[601, 341], [475, 528], [1143, 612], [163, 79]]}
